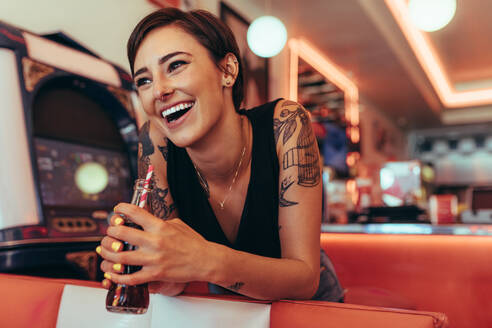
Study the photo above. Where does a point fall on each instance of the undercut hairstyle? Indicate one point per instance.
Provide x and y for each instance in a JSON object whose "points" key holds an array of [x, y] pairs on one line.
{"points": [[206, 28]]}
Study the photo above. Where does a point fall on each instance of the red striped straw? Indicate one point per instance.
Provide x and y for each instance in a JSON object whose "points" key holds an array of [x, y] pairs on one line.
{"points": [[143, 198]]}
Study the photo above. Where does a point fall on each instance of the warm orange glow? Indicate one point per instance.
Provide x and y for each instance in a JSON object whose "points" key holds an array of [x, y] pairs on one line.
{"points": [[351, 187], [352, 158], [431, 64], [354, 134], [293, 71], [299, 48]]}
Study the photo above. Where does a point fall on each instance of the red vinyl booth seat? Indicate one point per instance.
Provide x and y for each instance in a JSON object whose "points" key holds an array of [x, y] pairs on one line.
{"points": [[314, 314], [34, 302], [446, 274]]}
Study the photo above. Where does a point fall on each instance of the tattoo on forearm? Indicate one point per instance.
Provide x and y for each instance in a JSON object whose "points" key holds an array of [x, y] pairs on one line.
{"points": [[237, 286], [304, 155], [286, 183], [145, 149], [158, 202]]}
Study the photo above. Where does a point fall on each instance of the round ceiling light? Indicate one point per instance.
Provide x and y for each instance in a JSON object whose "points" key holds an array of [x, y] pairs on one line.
{"points": [[431, 15], [266, 36]]}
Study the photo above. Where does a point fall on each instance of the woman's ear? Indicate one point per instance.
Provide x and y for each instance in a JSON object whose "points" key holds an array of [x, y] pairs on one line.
{"points": [[230, 67]]}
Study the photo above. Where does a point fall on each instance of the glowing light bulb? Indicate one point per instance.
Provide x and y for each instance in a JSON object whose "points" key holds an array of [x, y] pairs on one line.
{"points": [[91, 177], [431, 15], [266, 36]]}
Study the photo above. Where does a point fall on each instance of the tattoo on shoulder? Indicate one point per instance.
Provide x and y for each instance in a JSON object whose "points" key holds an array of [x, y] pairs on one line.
{"points": [[158, 202], [286, 183], [237, 286], [304, 155]]}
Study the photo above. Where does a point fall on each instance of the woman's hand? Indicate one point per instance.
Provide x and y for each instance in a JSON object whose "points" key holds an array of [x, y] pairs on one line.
{"points": [[168, 251]]}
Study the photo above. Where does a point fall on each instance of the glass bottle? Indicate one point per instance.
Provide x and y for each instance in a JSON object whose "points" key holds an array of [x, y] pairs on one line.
{"points": [[125, 298]]}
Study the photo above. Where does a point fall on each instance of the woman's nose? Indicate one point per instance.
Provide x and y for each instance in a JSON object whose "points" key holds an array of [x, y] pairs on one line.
{"points": [[162, 89]]}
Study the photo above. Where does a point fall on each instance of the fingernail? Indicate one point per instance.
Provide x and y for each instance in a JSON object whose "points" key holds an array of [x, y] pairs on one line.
{"points": [[118, 221], [98, 249], [116, 246], [107, 275], [117, 267], [106, 283]]}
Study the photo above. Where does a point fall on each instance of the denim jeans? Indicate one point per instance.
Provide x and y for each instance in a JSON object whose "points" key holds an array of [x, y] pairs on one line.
{"points": [[329, 287]]}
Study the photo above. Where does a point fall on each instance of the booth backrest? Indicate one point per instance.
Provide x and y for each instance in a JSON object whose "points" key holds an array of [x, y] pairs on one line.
{"points": [[447, 274], [314, 314], [34, 302]]}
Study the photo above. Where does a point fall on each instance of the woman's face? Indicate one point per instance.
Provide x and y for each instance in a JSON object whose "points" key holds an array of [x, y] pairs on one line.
{"points": [[180, 87]]}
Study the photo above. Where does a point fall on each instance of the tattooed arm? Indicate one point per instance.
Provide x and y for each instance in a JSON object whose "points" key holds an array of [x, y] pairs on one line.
{"points": [[152, 149], [296, 274], [300, 193]]}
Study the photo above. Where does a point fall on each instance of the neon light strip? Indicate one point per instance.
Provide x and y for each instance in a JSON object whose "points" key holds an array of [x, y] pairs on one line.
{"points": [[431, 64], [300, 48]]}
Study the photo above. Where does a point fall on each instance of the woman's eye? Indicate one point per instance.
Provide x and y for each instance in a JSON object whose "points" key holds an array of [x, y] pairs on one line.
{"points": [[175, 65], [142, 81]]}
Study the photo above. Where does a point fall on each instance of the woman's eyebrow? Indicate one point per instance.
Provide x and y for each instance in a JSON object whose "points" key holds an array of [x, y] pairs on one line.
{"points": [[165, 58], [162, 60]]}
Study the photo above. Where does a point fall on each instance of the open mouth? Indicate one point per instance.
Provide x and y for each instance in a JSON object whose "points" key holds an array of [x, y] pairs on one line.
{"points": [[173, 113]]}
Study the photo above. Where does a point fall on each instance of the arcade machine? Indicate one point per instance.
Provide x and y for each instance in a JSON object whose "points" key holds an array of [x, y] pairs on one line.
{"points": [[68, 139]]}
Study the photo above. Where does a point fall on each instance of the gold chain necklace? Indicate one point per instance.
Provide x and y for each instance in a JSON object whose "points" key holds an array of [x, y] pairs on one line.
{"points": [[204, 183]]}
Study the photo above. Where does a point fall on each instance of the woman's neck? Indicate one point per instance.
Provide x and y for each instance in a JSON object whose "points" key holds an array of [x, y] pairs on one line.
{"points": [[218, 154]]}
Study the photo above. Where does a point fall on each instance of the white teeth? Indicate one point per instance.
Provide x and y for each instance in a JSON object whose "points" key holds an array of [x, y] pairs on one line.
{"points": [[176, 108]]}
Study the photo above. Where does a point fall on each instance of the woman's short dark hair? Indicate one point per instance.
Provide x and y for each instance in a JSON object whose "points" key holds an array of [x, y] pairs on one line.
{"points": [[206, 28]]}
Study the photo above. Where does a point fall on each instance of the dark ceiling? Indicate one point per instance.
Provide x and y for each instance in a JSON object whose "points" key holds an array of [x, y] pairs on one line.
{"points": [[364, 40]]}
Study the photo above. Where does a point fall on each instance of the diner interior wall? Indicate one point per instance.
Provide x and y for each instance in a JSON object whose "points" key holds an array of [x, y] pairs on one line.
{"points": [[278, 66], [101, 26], [104, 26]]}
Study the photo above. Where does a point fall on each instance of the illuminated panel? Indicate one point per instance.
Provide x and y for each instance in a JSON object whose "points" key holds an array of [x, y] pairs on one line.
{"points": [[18, 197], [70, 60], [431, 64], [300, 48]]}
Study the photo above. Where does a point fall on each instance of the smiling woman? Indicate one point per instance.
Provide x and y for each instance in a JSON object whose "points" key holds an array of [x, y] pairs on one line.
{"points": [[236, 194]]}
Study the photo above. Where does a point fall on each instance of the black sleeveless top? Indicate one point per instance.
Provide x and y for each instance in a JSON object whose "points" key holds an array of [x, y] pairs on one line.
{"points": [[258, 228]]}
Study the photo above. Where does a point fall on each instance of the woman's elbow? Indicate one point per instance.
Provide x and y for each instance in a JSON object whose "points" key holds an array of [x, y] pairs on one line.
{"points": [[313, 286], [309, 286]]}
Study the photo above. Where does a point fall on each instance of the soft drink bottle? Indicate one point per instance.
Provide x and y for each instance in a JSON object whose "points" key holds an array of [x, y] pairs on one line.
{"points": [[125, 298]]}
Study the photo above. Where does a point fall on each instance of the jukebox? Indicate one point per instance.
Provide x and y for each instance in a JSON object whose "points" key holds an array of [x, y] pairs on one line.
{"points": [[68, 144]]}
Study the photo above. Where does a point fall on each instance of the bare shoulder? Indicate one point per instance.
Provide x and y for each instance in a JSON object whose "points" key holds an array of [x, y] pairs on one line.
{"points": [[296, 145], [289, 119], [284, 105]]}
